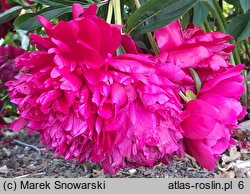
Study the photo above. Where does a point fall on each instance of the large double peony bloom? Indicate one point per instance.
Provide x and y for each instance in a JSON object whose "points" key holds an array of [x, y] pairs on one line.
{"points": [[91, 104]]}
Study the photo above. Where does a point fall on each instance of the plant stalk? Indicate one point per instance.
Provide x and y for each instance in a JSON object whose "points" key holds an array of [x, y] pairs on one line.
{"points": [[137, 4], [110, 12], [247, 48], [117, 11], [218, 13], [149, 34], [236, 53], [183, 96], [207, 26]]}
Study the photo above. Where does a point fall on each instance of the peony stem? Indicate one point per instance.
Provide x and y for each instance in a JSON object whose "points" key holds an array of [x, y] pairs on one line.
{"points": [[244, 99], [236, 53], [218, 13], [137, 4], [247, 48], [203, 27], [4, 97], [110, 12], [149, 34], [153, 43], [232, 60], [208, 28], [117, 11], [183, 96]]}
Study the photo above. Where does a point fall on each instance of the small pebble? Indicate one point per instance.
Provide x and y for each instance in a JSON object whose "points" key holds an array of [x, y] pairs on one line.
{"points": [[148, 172], [7, 152], [132, 171], [4, 169], [248, 174], [27, 148], [31, 167]]}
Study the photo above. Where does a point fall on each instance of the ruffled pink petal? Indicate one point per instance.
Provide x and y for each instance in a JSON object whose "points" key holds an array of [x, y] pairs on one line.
{"points": [[233, 73], [18, 124], [169, 37], [129, 45], [77, 10], [203, 154], [46, 24]]}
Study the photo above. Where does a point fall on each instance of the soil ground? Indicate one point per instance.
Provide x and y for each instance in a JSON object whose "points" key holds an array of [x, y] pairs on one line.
{"points": [[25, 161]]}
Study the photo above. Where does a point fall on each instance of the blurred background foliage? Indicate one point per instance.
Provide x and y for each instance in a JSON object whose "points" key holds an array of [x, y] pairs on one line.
{"points": [[141, 18]]}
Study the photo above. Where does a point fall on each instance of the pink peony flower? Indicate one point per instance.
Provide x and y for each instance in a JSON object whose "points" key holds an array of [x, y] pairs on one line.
{"points": [[207, 53], [209, 119], [7, 56], [90, 104]]}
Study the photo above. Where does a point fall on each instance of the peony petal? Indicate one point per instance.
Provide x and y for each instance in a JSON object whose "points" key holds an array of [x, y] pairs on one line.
{"points": [[47, 24], [235, 71], [118, 94], [18, 124], [91, 35], [203, 154], [129, 45], [106, 111], [77, 10], [189, 57], [169, 37]]}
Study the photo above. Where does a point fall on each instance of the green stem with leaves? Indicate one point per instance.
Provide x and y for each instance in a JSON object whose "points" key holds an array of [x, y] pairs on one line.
{"points": [[247, 49], [149, 34], [236, 53], [218, 13], [207, 26]]}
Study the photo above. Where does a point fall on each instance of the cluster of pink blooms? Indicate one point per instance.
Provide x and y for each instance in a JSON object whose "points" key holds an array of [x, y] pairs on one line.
{"points": [[7, 72], [7, 68], [91, 104]]}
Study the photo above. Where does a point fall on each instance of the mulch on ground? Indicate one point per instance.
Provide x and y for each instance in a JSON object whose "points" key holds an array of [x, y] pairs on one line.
{"points": [[22, 157]]}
